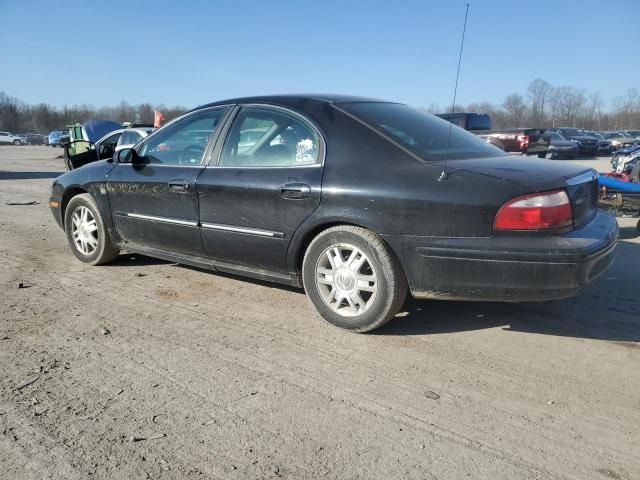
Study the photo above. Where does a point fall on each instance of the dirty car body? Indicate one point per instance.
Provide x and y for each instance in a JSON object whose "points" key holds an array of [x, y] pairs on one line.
{"points": [[376, 166]]}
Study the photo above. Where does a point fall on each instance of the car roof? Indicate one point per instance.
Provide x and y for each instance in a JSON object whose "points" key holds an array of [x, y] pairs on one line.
{"points": [[138, 129], [292, 99]]}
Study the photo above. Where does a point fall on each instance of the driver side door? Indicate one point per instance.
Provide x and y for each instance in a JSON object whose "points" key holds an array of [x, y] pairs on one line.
{"points": [[153, 200]]}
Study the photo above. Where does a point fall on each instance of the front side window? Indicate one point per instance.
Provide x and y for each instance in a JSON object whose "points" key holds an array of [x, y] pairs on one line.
{"points": [[427, 136], [184, 141], [263, 137]]}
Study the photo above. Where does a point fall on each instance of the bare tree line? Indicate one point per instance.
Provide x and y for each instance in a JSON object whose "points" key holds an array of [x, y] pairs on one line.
{"points": [[18, 117], [544, 105]]}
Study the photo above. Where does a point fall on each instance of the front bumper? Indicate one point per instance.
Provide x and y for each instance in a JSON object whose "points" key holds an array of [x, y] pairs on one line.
{"points": [[559, 152], [588, 148], [507, 268]]}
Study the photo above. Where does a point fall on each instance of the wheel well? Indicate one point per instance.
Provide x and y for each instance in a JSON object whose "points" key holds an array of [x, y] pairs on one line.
{"points": [[66, 198], [313, 233]]}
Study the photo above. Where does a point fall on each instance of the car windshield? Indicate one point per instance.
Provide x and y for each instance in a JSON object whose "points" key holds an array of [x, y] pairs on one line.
{"points": [[425, 135], [556, 137]]}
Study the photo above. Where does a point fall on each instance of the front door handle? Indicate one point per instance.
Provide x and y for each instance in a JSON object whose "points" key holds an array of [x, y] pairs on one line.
{"points": [[295, 190], [179, 185]]}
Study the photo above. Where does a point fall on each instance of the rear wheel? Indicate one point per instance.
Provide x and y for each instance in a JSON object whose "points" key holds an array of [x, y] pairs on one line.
{"points": [[87, 236], [353, 279]]}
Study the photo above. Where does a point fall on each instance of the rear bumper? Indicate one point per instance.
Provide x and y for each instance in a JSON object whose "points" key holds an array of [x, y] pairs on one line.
{"points": [[508, 268]]}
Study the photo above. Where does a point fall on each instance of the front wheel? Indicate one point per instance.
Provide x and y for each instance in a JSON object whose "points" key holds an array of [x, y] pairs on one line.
{"points": [[353, 279], [17, 143], [86, 233]]}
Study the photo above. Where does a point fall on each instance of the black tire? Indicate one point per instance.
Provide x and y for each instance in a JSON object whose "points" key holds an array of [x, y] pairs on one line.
{"points": [[391, 282], [105, 251], [17, 143]]}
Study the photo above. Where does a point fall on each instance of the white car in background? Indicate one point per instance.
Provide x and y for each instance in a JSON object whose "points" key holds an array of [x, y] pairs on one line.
{"points": [[118, 139], [81, 152], [7, 138]]}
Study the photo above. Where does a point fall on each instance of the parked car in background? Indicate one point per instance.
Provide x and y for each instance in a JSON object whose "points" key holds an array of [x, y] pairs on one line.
{"points": [[301, 205], [495, 142], [468, 121], [560, 147], [605, 147], [634, 133], [7, 138], [618, 140], [33, 138], [92, 130], [81, 152], [55, 137], [586, 143], [527, 141]]}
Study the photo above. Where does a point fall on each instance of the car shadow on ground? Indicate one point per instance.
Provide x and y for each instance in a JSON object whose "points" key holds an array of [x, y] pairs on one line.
{"points": [[4, 175], [608, 309], [136, 260]]}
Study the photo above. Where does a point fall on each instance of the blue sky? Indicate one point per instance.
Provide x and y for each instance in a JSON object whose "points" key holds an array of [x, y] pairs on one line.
{"points": [[191, 52]]}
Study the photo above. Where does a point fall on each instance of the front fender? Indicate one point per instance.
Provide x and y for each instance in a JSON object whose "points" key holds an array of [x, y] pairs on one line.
{"points": [[91, 179]]}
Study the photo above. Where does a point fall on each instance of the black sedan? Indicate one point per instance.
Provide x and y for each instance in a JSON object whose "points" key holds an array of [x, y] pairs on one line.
{"points": [[358, 201], [560, 147]]}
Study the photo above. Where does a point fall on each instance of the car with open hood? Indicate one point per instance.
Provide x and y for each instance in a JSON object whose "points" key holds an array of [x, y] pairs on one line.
{"points": [[358, 201], [78, 153]]}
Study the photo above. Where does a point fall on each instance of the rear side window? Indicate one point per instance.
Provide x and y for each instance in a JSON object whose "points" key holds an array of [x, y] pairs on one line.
{"points": [[267, 138], [423, 134], [129, 138]]}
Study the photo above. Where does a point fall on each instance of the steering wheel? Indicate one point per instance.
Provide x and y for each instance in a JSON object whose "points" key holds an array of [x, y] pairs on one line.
{"points": [[190, 155]]}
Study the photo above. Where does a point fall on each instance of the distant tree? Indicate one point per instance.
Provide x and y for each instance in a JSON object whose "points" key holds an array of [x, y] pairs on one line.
{"points": [[538, 93], [516, 109]]}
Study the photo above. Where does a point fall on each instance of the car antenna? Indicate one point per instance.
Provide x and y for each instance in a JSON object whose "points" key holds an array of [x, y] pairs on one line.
{"points": [[444, 175]]}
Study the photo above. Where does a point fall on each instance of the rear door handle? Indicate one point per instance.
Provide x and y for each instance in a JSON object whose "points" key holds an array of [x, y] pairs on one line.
{"points": [[295, 190], [178, 185]]}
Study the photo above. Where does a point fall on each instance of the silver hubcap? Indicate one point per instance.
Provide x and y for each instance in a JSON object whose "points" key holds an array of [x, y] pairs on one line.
{"points": [[84, 230], [346, 280]]}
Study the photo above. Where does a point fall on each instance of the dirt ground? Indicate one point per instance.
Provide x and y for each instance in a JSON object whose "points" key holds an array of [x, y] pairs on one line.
{"points": [[147, 369]]}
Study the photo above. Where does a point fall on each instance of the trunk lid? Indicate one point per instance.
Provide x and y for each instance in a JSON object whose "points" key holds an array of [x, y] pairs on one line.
{"points": [[535, 175]]}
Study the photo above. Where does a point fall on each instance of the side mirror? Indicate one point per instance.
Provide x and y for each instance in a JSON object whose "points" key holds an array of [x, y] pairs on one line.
{"points": [[126, 155]]}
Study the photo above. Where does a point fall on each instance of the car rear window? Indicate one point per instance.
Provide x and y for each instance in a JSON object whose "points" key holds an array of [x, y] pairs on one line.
{"points": [[423, 134]]}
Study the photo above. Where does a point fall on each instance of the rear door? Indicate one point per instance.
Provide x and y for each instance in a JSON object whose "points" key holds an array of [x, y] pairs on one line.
{"points": [[262, 183], [153, 201]]}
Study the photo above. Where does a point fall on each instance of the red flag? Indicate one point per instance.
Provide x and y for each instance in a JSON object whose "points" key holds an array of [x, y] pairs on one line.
{"points": [[158, 118]]}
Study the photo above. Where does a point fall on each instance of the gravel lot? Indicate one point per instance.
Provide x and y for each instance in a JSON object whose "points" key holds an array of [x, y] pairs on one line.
{"points": [[147, 369]]}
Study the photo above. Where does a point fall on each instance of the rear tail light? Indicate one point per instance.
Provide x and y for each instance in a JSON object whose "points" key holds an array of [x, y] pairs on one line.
{"points": [[538, 211], [524, 141]]}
